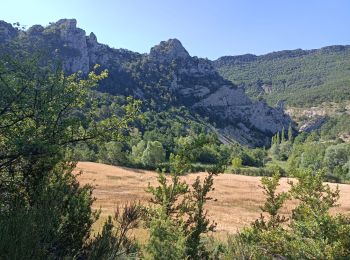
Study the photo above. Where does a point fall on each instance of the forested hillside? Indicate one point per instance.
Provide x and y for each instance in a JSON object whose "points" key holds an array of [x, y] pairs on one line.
{"points": [[301, 77]]}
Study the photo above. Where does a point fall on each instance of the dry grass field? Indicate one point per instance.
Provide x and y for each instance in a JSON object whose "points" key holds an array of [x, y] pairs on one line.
{"points": [[238, 197]]}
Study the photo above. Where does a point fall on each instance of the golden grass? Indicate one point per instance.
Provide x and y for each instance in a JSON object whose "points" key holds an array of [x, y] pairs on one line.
{"points": [[238, 197]]}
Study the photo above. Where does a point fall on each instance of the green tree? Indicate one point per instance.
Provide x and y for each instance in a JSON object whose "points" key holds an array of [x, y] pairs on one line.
{"points": [[290, 134], [336, 157], [278, 140], [154, 154], [312, 156], [137, 151], [273, 204], [283, 139], [237, 162], [114, 242], [112, 153], [273, 140], [167, 241], [42, 114]]}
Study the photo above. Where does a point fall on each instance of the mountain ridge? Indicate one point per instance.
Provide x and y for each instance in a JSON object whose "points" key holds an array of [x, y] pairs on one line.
{"points": [[301, 77], [167, 76]]}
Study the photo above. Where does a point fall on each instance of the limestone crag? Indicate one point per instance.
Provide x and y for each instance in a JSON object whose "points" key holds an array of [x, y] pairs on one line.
{"points": [[7, 32], [168, 51], [74, 38], [168, 75]]}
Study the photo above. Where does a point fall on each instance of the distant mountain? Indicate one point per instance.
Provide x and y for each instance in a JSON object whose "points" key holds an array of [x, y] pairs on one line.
{"points": [[167, 76], [301, 77]]}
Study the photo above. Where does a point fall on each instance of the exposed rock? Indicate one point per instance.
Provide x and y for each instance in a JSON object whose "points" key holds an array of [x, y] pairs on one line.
{"points": [[197, 91], [225, 96], [240, 133], [267, 88], [169, 50], [92, 39], [74, 38], [236, 109], [98, 53], [7, 32], [313, 124]]}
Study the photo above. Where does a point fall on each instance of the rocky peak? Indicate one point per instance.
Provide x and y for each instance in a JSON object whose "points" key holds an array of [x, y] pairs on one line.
{"points": [[169, 50], [67, 24], [69, 32], [7, 32], [75, 39], [92, 38]]}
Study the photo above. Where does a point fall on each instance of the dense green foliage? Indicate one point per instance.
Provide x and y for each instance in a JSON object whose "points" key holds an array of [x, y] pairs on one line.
{"points": [[335, 127], [332, 157], [44, 212], [153, 137], [318, 150], [302, 78]]}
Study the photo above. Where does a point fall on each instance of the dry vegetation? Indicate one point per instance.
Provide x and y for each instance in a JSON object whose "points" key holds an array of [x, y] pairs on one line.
{"points": [[238, 197]]}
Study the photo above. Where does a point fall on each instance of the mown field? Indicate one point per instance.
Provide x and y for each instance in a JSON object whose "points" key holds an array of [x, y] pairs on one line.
{"points": [[237, 197]]}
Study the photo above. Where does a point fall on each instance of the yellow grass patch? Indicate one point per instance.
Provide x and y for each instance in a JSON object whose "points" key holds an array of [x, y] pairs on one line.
{"points": [[238, 197]]}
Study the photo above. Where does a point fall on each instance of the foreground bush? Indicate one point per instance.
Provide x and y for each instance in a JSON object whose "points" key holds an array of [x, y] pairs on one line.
{"points": [[178, 219], [44, 212], [309, 232], [114, 241]]}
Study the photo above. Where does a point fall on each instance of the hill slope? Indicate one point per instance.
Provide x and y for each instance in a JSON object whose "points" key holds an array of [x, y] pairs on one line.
{"points": [[301, 77]]}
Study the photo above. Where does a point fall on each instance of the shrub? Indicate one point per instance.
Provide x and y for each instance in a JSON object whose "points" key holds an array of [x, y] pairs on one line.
{"points": [[179, 219], [167, 241], [237, 162], [114, 242], [56, 224]]}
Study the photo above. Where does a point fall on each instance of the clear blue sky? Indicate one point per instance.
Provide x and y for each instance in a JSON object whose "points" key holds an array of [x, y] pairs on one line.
{"points": [[207, 28]]}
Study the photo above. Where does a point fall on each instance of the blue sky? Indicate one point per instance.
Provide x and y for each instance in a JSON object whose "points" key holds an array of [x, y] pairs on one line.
{"points": [[207, 28]]}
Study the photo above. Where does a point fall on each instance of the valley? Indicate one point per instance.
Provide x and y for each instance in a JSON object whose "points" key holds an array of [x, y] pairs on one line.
{"points": [[111, 153], [238, 197]]}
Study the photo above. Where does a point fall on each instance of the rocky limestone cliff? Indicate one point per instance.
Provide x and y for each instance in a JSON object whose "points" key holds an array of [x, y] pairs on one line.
{"points": [[168, 51], [168, 75], [7, 32], [74, 38]]}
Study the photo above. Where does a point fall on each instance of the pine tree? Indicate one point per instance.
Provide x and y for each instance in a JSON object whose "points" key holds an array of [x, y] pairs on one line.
{"points": [[282, 136], [278, 138], [290, 134]]}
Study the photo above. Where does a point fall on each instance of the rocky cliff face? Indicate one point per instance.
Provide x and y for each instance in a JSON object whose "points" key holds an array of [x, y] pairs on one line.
{"points": [[168, 51], [7, 32], [74, 38], [168, 75]]}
